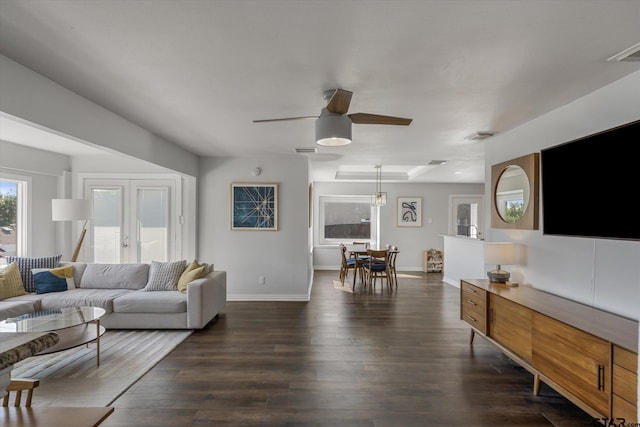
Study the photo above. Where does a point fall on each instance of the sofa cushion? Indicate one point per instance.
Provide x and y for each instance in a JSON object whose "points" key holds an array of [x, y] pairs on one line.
{"points": [[163, 276], [53, 279], [11, 282], [26, 264], [78, 270], [115, 276], [14, 308], [151, 302], [82, 297]]}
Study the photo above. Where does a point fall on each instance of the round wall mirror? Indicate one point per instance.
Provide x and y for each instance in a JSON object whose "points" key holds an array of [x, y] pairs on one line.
{"points": [[512, 194]]}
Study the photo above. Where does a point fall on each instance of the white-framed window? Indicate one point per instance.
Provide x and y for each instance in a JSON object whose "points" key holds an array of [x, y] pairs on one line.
{"points": [[14, 215], [465, 215], [344, 219]]}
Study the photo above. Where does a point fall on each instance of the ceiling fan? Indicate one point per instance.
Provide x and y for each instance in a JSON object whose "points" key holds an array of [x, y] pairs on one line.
{"points": [[333, 125]]}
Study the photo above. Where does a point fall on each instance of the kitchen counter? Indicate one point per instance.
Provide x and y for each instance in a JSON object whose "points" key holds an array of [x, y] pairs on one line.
{"points": [[464, 259]]}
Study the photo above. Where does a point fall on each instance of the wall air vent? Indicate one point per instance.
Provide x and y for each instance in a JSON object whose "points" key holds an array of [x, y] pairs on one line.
{"points": [[306, 150], [631, 54]]}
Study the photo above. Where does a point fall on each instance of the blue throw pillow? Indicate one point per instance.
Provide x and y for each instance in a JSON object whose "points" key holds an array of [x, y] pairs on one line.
{"points": [[53, 280]]}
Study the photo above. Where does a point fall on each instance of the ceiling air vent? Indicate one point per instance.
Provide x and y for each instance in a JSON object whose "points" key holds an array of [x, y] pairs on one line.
{"points": [[479, 136], [631, 54], [437, 162], [306, 150]]}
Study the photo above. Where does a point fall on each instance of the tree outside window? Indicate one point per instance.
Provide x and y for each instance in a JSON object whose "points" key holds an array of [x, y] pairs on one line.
{"points": [[8, 218]]}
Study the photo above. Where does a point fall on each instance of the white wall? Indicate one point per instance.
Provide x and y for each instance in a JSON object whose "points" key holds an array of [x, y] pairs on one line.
{"points": [[114, 163], [45, 169], [411, 241], [282, 256], [31, 97]]}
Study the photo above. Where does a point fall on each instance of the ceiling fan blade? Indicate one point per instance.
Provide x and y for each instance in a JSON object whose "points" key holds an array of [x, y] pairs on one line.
{"points": [[376, 119], [284, 119], [339, 102]]}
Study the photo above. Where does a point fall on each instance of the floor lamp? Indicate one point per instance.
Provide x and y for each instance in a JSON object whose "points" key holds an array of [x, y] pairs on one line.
{"points": [[72, 210]]}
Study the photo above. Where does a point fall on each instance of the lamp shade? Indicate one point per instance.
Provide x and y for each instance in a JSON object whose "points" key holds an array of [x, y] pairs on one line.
{"points": [[70, 209], [333, 130], [499, 253]]}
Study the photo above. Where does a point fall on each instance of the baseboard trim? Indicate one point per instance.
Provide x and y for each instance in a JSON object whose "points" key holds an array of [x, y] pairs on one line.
{"points": [[262, 297], [451, 281]]}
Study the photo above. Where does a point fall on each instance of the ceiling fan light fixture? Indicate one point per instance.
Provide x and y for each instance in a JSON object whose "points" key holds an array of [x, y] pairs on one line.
{"points": [[333, 130]]}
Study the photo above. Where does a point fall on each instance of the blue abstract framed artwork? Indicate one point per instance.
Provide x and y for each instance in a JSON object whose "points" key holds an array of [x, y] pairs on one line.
{"points": [[409, 212], [254, 206]]}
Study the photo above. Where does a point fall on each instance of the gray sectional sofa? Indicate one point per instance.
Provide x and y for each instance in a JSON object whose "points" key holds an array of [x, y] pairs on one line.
{"points": [[119, 289]]}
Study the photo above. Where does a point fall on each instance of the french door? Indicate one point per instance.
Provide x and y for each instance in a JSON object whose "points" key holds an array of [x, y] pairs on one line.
{"points": [[134, 220]]}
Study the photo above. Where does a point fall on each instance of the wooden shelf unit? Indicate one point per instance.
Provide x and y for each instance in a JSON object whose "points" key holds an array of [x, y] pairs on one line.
{"points": [[588, 355], [433, 261]]}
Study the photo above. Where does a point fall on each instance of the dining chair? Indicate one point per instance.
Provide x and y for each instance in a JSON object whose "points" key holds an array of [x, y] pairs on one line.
{"points": [[18, 386], [393, 253], [347, 263], [377, 266]]}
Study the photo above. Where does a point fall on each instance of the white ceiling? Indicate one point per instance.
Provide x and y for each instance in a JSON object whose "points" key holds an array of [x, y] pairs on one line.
{"points": [[199, 72]]}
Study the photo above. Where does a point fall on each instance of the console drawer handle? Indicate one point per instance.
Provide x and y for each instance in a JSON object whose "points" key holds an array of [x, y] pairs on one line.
{"points": [[472, 319], [472, 290], [471, 302], [601, 377]]}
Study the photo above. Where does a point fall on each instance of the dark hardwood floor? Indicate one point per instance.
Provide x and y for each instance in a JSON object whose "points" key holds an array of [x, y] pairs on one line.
{"points": [[342, 359]]}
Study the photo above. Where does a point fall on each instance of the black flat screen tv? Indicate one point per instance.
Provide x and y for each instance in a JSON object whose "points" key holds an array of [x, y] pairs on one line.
{"points": [[591, 186]]}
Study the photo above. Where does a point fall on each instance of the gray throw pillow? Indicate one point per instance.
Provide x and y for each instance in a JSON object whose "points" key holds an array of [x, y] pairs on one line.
{"points": [[164, 276]]}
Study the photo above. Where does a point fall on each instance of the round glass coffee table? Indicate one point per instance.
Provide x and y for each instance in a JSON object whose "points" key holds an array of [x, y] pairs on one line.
{"points": [[74, 325]]}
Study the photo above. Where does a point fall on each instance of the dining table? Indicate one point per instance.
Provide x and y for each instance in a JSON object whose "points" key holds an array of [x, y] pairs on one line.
{"points": [[359, 253]]}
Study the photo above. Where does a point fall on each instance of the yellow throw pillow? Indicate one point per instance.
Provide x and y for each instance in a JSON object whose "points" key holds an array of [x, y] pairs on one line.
{"points": [[194, 264], [190, 276], [11, 282]]}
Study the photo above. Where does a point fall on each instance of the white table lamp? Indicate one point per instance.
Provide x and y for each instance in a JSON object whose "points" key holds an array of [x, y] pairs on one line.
{"points": [[72, 210], [499, 253]]}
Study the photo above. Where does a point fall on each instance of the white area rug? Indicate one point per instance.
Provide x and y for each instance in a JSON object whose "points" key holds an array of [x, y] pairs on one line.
{"points": [[71, 377]]}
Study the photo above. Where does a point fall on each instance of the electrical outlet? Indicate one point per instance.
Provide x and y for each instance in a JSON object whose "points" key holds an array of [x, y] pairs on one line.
{"points": [[261, 280]]}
